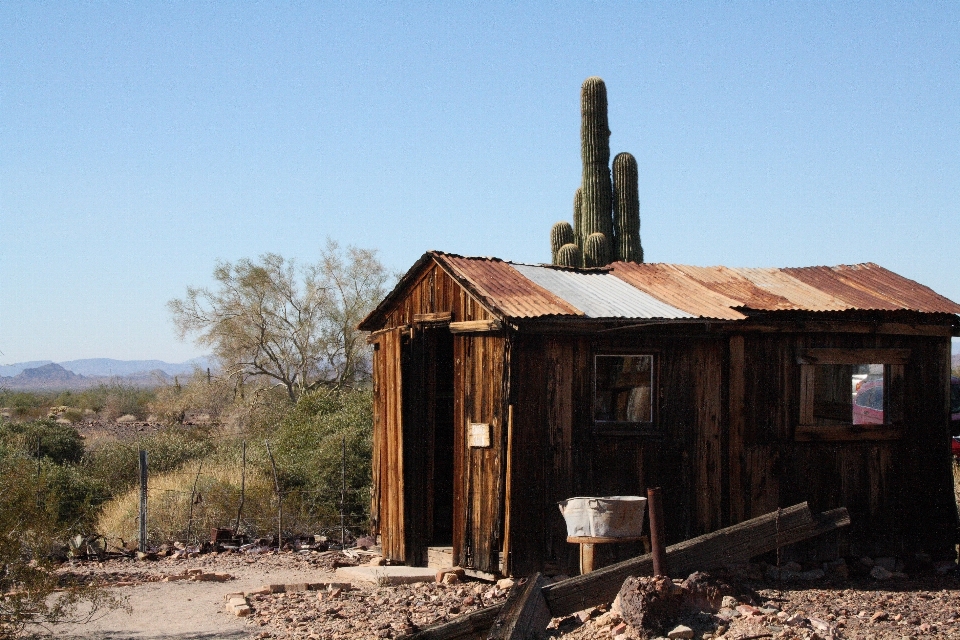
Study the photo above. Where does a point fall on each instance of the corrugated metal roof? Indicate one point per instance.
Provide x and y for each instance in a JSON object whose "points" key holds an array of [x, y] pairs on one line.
{"points": [[501, 286], [600, 294], [870, 286], [668, 291]]}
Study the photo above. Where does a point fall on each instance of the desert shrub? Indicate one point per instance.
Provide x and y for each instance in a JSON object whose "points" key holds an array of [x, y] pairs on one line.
{"points": [[27, 533], [25, 404], [309, 448], [70, 497], [116, 464], [44, 438], [212, 395]]}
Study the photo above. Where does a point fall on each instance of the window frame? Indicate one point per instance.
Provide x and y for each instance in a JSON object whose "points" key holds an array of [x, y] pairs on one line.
{"points": [[894, 364], [624, 428]]}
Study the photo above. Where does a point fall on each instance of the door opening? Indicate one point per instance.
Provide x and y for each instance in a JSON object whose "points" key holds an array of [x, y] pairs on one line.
{"points": [[441, 385]]}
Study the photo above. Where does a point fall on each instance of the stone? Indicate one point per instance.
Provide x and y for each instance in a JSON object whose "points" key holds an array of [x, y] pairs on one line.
{"points": [[385, 576], [879, 573], [245, 610], [878, 616], [376, 561], [296, 587], [505, 584], [728, 602], [747, 610], [680, 631], [276, 588], [618, 629], [450, 578]]}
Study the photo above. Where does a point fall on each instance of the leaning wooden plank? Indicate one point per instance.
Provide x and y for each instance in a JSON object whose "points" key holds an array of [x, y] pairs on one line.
{"points": [[731, 545], [734, 544], [471, 625], [524, 616]]}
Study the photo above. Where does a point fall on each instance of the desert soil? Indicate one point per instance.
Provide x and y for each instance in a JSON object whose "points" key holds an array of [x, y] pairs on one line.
{"points": [[926, 605]]}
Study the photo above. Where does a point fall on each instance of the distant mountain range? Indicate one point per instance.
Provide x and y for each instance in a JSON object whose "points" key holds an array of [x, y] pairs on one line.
{"points": [[82, 374]]}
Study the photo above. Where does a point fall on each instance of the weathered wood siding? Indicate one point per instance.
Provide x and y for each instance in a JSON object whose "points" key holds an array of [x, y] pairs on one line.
{"points": [[559, 455], [435, 292], [480, 394], [728, 408], [386, 509]]}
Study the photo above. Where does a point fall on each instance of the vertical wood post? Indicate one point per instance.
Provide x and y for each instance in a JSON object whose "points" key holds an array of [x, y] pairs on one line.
{"points": [[143, 501], [586, 557], [276, 485], [243, 488], [343, 493], [505, 565], [657, 546]]}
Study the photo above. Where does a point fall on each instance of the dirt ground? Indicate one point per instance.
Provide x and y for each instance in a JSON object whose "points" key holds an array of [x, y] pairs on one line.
{"points": [[926, 605]]}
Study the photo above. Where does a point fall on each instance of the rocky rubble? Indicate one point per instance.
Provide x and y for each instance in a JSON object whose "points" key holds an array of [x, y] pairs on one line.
{"points": [[831, 606], [751, 602]]}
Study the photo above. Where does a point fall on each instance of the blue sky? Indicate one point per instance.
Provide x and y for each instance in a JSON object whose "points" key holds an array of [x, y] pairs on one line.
{"points": [[141, 142]]}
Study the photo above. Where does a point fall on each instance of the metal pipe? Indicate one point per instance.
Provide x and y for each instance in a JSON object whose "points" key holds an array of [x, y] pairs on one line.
{"points": [[657, 538]]}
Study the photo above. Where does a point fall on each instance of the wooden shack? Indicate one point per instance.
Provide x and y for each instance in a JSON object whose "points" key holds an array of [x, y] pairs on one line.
{"points": [[502, 388]]}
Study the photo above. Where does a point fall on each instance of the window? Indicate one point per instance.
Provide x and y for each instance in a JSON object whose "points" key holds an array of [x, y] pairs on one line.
{"points": [[623, 391], [851, 394]]}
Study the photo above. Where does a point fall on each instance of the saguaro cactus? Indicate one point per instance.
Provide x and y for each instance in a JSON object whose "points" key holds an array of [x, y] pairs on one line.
{"points": [[626, 209], [577, 224], [560, 234], [569, 255], [595, 209], [596, 251], [600, 207]]}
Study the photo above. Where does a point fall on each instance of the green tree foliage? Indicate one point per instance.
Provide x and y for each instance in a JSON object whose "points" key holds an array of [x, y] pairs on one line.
{"points": [[293, 325], [309, 444]]}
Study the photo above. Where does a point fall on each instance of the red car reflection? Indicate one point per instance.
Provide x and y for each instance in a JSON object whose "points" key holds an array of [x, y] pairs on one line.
{"points": [[868, 403]]}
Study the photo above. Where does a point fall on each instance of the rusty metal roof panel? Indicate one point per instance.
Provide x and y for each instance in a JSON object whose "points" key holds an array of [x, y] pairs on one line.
{"points": [[668, 291], [672, 285], [600, 294], [502, 287], [871, 287], [795, 294]]}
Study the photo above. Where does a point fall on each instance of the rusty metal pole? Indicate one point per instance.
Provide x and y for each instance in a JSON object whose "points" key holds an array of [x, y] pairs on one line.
{"points": [[657, 541]]}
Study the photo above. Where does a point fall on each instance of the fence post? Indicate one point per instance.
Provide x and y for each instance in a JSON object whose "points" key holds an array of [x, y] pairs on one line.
{"points": [[276, 484], [243, 488], [193, 497], [343, 492], [143, 501]]}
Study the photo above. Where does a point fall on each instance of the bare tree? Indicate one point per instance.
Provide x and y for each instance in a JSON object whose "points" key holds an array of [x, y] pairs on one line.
{"points": [[295, 325]]}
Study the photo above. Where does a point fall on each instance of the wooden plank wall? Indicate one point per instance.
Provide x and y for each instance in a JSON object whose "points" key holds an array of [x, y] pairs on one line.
{"points": [[435, 292], [480, 396], [387, 499], [557, 455], [899, 493], [728, 406]]}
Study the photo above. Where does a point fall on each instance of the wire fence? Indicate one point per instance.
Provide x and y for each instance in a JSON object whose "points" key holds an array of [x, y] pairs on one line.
{"points": [[236, 503]]}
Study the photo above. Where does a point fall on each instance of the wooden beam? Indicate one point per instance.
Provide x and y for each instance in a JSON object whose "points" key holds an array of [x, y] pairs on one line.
{"points": [[853, 356], [433, 318], [525, 615], [708, 552], [846, 433], [474, 326], [838, 326], [732, 545], [471, 625]]}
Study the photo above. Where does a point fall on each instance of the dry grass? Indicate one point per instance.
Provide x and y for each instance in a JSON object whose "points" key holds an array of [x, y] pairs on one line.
{"points": [[215, 504]]}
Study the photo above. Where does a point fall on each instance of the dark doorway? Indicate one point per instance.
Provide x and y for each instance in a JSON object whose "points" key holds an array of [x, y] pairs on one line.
{"points": [[441, 403]]}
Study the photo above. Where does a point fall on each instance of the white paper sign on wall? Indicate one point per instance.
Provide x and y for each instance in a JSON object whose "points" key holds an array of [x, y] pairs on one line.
{"points": [[479, 434]]}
